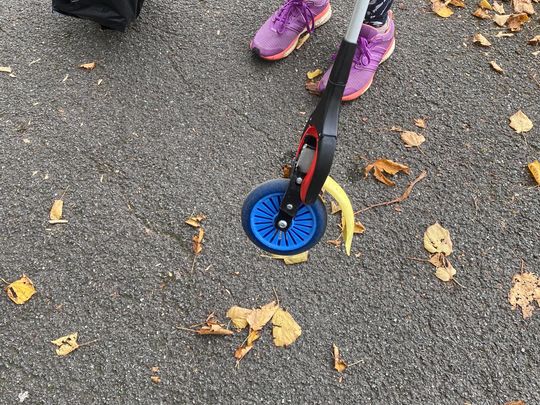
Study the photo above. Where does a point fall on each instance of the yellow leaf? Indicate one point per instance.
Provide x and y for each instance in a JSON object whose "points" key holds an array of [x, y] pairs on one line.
{"points": [[358, 227], [382, 166], [155, 379], [523, 6], [339, 363], [485, 5], [285, 330], [437, 239], [6, 69], [524, 292], [195, 221], [499, 8], [438, 259], [302, 40], [259, 317], [534, 168], [294, 259], [197, 241], [56, 211], [534, 40], [88, 66], [66, 344], [445, 273], [457, 3], [155, 369], [314, 73], [238, 316], [480, 39], [412, 139], [21, 290], [482, 14], [420, 122], [441, 9], [501, 20], [519, 122], [496, 67], [516, 21], [241, 351], [335, 208]]}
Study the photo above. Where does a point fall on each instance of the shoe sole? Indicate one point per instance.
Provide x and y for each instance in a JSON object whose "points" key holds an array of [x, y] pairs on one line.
{"points": [[356, 94], [320, 19]]}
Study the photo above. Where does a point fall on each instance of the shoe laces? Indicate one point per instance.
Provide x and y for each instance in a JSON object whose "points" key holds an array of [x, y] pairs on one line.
{"points": [[362, 56], [285, 12]]}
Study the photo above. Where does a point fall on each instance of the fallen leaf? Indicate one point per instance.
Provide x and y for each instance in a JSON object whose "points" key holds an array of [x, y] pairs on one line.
{"points": [[412, 139], [6, 69], [441, 9], [515, 403], [197, 241], [20, 290], [238, 316], [445, 273], [88, 66], [358, 227], [420, 122], [534, 168], [437, 239], [501, 20], [519, 122], [536, 53], [335, 242], [214, 329], [482, 14], [302, 40], [523, 6], [55, 215], [195, 221], [334, 207], [496, 67], [285, 330], [485, 5], [382, 166], [534, 40], [457, 3], [66, 344], [241, 351], [438, 259], [259, 317], [501, 34], [294, 259], [498, 7], [480, 39], [154, 369], [286, 171], [524, 292], [314, 73], [339, 363], [155, 379], [516, 21]]}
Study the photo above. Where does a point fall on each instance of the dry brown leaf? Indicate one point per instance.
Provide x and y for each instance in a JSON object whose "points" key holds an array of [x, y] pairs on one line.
{"points": [[197, 241], [480, 39], [302, 40], [6, 69], [88, 66], [155, 369], [155, 379], [496, 67], [501, 20], [457, 3], [446, 272], [66, 344], [534, 40], [534, 168], [314, 73], [285, 329], [382, 166], [516, 21], [286, 171], [420, 122], [21, 290], [259, 317], [412, 139], [334, 207], [214, 329], [481, 13], [502, 34], [241, 351], [55, 215], [498, 7], [335, 242], [195, 221], [238, 316], [520, 402], [294, 259], [441, 9], [339, 363], [524, 292], [523, 6], [485, 4], [437, 239], [359, 227], [519, 122]]}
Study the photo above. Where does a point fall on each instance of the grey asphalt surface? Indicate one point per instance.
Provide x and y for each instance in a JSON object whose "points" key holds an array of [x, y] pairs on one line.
{"points": [[186, 120]]}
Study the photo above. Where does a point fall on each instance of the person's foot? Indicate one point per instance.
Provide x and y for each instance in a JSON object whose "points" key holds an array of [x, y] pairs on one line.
{"points": [[374, 47], [279, 35]]}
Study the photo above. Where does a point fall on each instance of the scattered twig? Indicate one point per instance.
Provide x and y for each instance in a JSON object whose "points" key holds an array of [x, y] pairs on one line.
{"points": [[355, 363], [402, 198], [182, 328], [275, 293], [4, 281], [88, 343], [193, 264], [522, 266], [458, 283]]}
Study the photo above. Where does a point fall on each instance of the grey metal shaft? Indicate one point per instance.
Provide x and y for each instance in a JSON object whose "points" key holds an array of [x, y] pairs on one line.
{"points": [[357, 19]]}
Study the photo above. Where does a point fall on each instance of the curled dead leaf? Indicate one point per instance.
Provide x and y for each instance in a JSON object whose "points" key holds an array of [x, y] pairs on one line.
{"points": [[197, 241], [21, 290], [242, 350], [6, 69], [302, 40], [420, 122], [534, 40], [482, 40], [195, 221], [88, 66], [534, 168], [382, 166], [498, 7], [501, 20], [294, 259], [485, 4], [441, 9], [214, 329], [482, 14], [55, 215], [515, 21], [339, 363], [496, 67], [520, 123], [457, 3], [359, 227], [155, 379], [523, 6], [446, 273]]}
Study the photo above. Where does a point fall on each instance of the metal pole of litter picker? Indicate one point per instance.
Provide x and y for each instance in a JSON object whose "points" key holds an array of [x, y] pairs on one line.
{"points": [[357, 19]]}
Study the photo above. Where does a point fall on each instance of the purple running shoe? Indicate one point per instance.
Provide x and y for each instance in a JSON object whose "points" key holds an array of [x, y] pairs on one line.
{"points": [[279, 35]]}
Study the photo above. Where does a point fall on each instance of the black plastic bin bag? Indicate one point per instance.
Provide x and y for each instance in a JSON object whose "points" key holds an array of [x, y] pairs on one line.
{"points": [[113, 14]]}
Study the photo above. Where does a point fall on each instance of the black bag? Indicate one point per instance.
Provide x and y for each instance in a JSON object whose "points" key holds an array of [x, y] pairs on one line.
{"points": [[113, 14]]}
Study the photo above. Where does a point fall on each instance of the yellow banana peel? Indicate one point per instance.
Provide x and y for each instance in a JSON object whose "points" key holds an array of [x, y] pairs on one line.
{"points": [[347, 213]]}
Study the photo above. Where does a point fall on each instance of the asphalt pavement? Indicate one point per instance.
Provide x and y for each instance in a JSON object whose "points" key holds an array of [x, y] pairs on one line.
{"points": [[186, 120]]}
